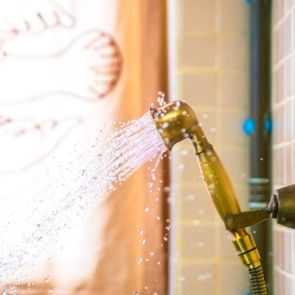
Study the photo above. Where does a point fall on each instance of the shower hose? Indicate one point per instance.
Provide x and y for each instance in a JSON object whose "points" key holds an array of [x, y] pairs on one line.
{"points": [[257, 281]]}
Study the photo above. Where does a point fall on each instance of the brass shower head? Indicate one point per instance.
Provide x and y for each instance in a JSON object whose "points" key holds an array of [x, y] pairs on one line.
{"points": [[176, 121]]}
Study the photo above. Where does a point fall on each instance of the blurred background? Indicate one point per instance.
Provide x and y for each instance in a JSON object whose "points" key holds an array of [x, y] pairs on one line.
{"points": [[69, 67]]}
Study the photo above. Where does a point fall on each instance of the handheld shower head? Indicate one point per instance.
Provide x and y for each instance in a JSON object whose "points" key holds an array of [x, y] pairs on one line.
{"points": [[177, 121]]}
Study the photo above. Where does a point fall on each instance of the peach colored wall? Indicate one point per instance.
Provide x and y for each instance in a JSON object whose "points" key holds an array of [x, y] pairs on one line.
{"points": [[283, 112], [209, 69]]}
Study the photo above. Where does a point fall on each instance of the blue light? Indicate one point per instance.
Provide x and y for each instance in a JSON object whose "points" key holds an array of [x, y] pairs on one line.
{"points": [[249, 126], [267, 125]]}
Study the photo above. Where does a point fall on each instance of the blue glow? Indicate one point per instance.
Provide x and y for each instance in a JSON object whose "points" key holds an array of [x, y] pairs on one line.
{"points": [[249, 126], [267, 125]]}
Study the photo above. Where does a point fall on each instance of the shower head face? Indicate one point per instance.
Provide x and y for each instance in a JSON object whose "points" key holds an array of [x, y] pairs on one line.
{"points": [[177, 121]]}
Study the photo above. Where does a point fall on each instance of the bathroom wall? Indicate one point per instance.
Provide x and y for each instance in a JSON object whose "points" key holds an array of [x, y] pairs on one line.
{"points": [[209, 69], [283, 112]]}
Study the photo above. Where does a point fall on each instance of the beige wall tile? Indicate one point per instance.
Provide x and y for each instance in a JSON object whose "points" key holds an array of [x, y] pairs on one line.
{"points": [[242, 190], [234, 15], [233, 51], [233, 279], [197, 15], [225, 249], [198, 278], [288, 121], [235, 160], [288, 251], [288, 34], [197, 50], [288, 171], [289, 77], [198, 241], [233, 88], [198, 89], [230, 124], [196, 204]]}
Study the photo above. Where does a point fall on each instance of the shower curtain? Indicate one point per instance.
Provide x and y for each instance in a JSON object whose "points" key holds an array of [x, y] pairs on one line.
{"points": [[66, 68]]}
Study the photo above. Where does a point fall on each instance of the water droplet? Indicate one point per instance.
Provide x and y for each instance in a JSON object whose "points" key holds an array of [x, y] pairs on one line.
{"points": [[213, 129], [165, 125], [205, 116], [47, 279], [190, 197], [171, 200], [165, 239], [140, 231], [181, 279], [158, 217], [139, 259], [184, 152], [201, 212], [166, 189], [196, 222], [200, 245], [181, 166], [183, 130], [208, 275], [261, 159], [213, 159], [201, 278], [151, 253], [184, 113], [142, 241], [50, 290], [135, 293], [146, 209]]}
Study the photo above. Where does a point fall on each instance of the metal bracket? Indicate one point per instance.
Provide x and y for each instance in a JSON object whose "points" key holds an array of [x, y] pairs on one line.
{"points": [[244, 219]]}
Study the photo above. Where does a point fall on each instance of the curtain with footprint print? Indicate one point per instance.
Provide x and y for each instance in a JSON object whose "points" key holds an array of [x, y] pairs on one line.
{"points": [[67, 68]]}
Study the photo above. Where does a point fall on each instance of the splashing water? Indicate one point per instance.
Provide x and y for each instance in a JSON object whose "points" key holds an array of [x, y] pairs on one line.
{"points": [[58, 200]]}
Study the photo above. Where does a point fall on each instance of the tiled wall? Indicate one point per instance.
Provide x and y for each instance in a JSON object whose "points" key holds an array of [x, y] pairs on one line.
{"points": [[209, 69], [283, 112]]}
